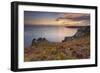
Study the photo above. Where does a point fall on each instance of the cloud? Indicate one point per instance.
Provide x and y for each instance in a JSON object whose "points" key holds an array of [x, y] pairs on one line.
{"points": [[75, 19]]}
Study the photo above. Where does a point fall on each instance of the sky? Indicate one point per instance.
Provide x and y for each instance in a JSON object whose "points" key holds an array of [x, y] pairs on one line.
{"points": [[56, 34], [54, 18]]}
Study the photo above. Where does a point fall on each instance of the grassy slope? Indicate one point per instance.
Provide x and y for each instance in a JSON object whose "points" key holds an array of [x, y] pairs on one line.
{"points": [[75, 49]]}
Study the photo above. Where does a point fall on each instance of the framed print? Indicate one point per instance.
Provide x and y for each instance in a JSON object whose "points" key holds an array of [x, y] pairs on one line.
{"points": [[52, 36]]}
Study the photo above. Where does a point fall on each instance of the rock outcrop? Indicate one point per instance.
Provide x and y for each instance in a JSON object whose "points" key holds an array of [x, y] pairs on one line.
{"points": [[81, 32], [36, 41]]}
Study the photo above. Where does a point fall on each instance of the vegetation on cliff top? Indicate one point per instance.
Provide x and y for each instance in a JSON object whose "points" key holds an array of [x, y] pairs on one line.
{"points": [[41, 49]]}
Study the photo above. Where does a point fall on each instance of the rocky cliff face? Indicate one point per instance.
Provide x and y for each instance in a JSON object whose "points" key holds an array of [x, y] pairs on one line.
{"points": [[39, 40], [81, 31]]}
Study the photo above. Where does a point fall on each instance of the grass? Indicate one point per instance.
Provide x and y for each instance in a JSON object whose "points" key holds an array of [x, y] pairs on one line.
{"points": [[76, 49]]}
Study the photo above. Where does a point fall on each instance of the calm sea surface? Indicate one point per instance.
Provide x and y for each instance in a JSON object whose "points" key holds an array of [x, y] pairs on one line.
{"points": [[51, 33]]}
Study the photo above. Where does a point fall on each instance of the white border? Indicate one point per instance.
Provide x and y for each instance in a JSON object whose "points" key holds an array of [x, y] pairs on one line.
{"points": [[22, 64]]}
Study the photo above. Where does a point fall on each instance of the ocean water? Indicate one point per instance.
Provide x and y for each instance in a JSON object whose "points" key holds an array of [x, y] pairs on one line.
{"points": [[51, 33]]}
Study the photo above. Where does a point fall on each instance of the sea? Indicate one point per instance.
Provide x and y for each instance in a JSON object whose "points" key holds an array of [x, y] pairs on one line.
{"points": [[51, 33]]}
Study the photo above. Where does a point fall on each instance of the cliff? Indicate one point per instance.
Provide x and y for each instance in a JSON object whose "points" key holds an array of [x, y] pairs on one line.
{"points": [[81, 32]]}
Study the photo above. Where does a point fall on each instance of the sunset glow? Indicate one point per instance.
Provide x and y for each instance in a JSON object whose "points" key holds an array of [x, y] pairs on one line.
{"points": [[57, 19], [56, 36]]}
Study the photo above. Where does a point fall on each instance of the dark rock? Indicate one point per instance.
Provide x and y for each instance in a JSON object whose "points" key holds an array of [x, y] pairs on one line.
{"points": [[35, 42], [41, 39], [81, 32]]}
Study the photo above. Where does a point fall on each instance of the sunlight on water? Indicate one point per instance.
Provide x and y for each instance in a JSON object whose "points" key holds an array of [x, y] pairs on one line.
{"points": [[51, 33]]}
